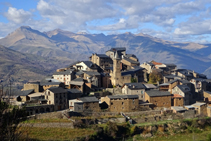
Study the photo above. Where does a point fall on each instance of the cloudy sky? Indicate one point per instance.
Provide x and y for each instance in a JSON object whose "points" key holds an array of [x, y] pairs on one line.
{"points": [[176, 20]]}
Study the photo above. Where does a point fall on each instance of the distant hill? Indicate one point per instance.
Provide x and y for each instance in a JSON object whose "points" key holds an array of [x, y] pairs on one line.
{"points": [[65, 45], [21, 68]]}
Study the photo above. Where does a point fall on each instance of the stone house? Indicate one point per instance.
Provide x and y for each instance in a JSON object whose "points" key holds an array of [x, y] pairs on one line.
{"points": [[73, 94], [64, 76], [209, 111], [101, 60], [177, 100], [150, 86], [201, 108], [84, 104], [46, 85], [176, 82], [93, 77], [178, 109], [33, 85], [164, 87], [119, 50], [158, 98], [58, 97], [199, 84], [86, 66], [24, 95], [148, 66], [78, 83], [184, 91], [134, 89], [127, 63], [121, 103]]}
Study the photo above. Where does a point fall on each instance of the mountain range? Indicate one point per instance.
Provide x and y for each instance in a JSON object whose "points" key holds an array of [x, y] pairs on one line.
{"points": [[62, 47]]}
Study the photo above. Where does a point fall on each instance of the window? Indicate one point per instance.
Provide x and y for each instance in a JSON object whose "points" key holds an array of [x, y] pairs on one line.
{"points": [[48, 93], [111, 103], [122, 103]]}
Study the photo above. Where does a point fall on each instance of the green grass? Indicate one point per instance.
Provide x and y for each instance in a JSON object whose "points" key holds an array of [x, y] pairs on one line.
{"points": [[157, 123], [177, 137]]}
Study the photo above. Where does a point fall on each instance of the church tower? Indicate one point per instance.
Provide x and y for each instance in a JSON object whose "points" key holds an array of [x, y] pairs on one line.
{"points": [[116, 69]]}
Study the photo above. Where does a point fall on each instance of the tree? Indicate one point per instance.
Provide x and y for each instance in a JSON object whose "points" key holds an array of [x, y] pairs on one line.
{"points": [[133, 80], [10, 117], [155, 76]]}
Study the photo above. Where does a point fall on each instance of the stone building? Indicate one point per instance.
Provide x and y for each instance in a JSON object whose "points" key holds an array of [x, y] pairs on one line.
{"points": [[184, 91], [58, 97], [33, 85], [177, 100], [119, 77], [158, 98], [121, 103], [134, 89], [84, 104], [102, 60], [64, 76], [201, 108], [119, 50], [93, 77]]}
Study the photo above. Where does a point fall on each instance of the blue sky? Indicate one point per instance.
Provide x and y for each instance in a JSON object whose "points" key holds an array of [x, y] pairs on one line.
{"points": [[175, 20]]}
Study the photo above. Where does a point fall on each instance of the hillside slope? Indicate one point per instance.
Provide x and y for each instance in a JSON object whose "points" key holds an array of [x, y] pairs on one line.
{"points": [[21, 68], [65, 45]]}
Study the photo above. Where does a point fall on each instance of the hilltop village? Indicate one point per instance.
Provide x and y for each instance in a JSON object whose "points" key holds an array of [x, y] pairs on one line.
{"points": [[117, 82]]}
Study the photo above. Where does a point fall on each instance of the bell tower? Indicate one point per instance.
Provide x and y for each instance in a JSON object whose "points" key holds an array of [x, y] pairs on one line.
{"points": [[116, 69]]}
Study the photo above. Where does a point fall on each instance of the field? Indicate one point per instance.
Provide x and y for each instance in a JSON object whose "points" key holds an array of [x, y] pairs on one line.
{"points": [[39, 133]]}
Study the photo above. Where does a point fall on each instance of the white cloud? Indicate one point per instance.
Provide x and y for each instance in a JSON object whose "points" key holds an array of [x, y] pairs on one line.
{"points": [[17, 15]]}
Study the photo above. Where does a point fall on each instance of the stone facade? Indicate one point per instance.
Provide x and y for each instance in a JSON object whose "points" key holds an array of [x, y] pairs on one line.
{"points": [[101, 60], [29, 86], [120, 103], [177, 100], [58, 97], [84, 104], [158, 100], [201, 108]]}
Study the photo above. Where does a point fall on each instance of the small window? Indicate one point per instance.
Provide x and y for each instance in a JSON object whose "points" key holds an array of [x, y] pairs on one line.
{"points": [[111, 103], [122, 103]]}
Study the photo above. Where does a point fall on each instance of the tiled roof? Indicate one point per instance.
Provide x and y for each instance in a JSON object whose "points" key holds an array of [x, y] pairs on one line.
{"points": [[198, 104], [117, 49], [102, 56], [183, 88], [26, 92], [92, 73], [155, 93], [177, 95], [156, 63], [89, 99], [67, 72], [130, 60], [74, 91], [57, 90], [178, 108], [150, 86], [135, 86], [131, 71], [122, 96]]}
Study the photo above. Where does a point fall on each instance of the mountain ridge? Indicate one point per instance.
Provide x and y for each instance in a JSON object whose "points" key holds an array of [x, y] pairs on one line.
{"points": [[64, 45]]}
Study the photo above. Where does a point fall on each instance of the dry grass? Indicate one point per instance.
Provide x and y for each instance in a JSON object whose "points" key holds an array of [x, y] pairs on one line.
{"points": [[46, 120], [53, 133]]}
